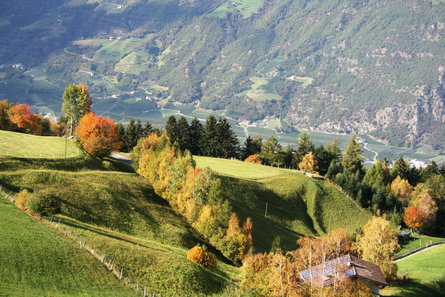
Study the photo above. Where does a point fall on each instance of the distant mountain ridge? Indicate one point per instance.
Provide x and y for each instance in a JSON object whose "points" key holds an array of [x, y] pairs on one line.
{"points": [[367, 66]]}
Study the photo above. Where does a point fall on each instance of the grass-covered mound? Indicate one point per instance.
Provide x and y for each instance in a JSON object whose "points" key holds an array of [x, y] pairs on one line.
{"points": [[115, 200], [36, 260], [296, 204], [117, 212]]}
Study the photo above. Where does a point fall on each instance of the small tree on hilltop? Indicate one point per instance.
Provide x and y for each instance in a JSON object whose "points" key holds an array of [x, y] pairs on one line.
{"points": [[98, 136], [308, 164]]}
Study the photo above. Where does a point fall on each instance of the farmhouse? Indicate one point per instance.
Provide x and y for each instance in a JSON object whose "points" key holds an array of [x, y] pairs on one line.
{"points": [[344, 267]]}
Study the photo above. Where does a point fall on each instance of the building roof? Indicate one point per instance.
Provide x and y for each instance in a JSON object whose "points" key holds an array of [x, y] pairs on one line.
{"points": [[343, 267]]}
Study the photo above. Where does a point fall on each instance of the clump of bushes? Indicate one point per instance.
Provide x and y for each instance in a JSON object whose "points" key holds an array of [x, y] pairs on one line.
{"points": [[22, 200], [198, 255], [253, 159], [45, 203]]}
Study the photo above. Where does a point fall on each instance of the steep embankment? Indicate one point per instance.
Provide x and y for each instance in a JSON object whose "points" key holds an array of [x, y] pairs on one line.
{"points": [[296, 204], [37, 260]]}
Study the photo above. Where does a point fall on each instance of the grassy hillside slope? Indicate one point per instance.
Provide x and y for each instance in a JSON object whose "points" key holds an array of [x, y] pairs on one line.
{"points": [[36, 260], [296, 204], [119, 215]]}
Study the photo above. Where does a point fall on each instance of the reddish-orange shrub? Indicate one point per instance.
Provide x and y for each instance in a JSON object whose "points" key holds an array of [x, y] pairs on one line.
{"points": [[414, 217], [198, 255], [20, 115], [253, 159], [98, 136]]}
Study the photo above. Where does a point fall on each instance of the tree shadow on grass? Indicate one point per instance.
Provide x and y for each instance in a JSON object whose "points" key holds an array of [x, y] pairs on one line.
{"points": [[412, 288]]}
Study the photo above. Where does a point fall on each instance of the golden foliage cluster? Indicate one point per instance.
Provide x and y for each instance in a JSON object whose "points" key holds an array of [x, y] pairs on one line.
{"points": [[198, 255]]}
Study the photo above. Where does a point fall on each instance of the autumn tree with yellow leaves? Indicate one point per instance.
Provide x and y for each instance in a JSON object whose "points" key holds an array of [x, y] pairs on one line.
{"points": [[377, 244], [308, 164], [402, 190]]}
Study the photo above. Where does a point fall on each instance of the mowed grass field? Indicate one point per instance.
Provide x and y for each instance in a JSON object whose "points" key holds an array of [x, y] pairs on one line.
{"points": [[296, 204], [426, 274], [22, 145], [36, 260]]}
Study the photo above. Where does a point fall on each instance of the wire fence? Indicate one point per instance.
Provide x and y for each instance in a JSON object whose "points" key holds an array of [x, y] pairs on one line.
{"points": [[10, 154], [419, 248], [83, 244]]}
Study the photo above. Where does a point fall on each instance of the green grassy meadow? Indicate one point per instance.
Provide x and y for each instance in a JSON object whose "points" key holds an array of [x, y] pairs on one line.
{"points": [[37, 260], [246, 8], [426, 273], [116, 212], [297, 205], [22, 145]]}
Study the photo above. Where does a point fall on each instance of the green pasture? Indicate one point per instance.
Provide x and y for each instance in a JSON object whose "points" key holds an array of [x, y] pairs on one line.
{"points": [[162, 268], [296, 204], [245, 7], [22, 145], [304, 81], [238, 169], [425, 272], [119, 214], [261, 89], [418, 241], [37, 260]]}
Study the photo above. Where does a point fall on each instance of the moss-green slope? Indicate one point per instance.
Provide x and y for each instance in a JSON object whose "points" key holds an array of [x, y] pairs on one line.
{"points": [[296, 204]]}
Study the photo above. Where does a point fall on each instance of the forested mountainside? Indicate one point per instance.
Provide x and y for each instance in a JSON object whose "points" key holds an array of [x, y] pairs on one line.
{"points": [[367, 66]]}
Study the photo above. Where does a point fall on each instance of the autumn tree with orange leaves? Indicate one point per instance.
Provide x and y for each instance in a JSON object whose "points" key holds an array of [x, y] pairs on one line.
{"points": [[414, 217], [253, 159], [98, 136], [21, 116]]}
